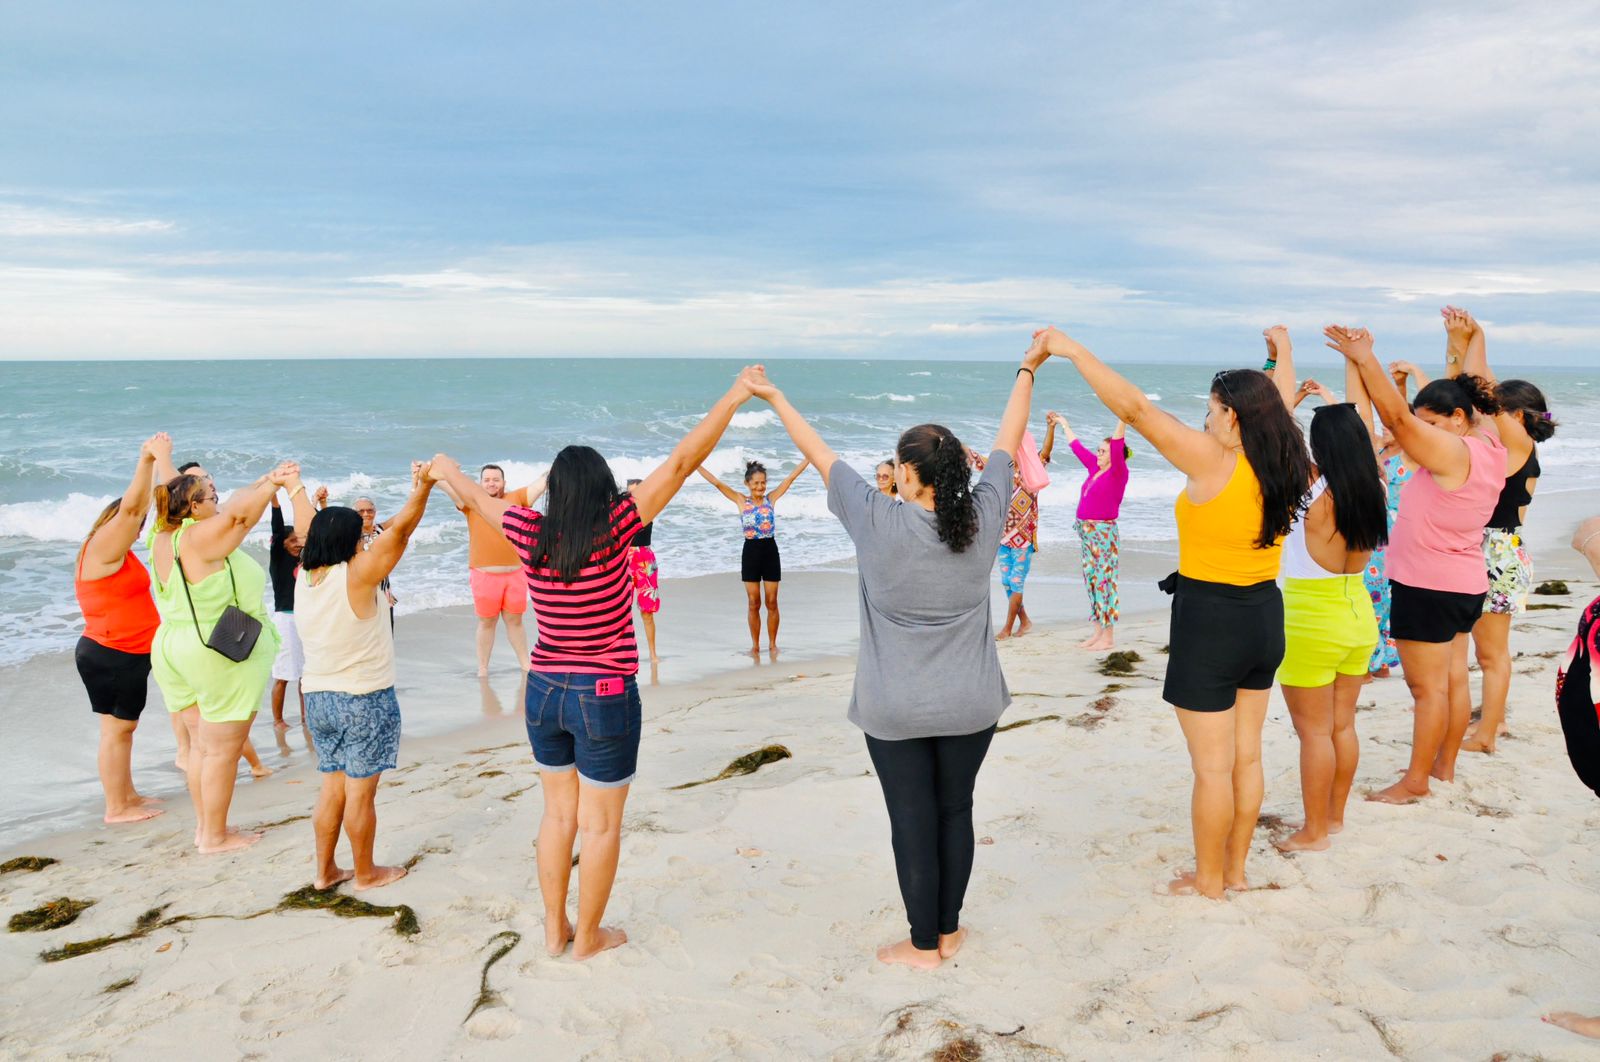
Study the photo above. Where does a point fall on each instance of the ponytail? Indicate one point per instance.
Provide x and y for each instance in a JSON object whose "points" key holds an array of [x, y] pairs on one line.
{"points": [[941, 462], [175, 500], [1526, 401], [1465, 392]]}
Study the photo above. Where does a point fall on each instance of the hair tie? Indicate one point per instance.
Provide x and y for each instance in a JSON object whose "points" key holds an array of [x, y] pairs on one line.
{"points": [[1547, 415]]}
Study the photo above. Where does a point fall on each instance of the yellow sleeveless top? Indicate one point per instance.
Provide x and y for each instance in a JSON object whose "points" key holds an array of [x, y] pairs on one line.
{"points": [[1216, 540]]}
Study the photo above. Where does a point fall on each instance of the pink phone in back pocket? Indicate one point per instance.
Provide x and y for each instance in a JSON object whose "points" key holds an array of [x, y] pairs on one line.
{"points": [[608, 687]]}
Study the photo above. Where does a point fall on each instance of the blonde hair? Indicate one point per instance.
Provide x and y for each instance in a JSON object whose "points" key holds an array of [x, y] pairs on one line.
{"points": [[100, 521], [175, 499]]}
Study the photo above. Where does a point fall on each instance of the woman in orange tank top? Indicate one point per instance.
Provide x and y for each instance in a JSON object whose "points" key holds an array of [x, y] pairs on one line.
{"points": [[119, 621], [1248, 473]]}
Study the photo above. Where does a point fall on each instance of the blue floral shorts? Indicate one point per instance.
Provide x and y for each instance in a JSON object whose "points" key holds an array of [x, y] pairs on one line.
{"points": [[357, 734], [1014, 564]]}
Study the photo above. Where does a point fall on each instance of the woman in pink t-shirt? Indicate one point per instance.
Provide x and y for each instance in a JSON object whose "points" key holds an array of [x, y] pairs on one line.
{"points": [[1099, 501], [1437, 578]]}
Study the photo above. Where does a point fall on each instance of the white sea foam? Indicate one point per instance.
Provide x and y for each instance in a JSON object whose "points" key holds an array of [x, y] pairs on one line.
{"points": [[753, 418], [52, 519], [890, 395]]}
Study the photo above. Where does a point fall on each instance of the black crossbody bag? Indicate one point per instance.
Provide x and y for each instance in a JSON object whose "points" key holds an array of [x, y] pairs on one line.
{"points": [[236, 631]]}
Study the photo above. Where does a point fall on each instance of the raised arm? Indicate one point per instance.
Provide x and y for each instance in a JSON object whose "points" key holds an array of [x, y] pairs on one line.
{"points": [[1280, 364], [212, 540], [1355, 392], [372, 565], [726, 491], [660, 486], [1457, 340], [103, 554], [788, 481], [300, 500], [1194, 452], [1439, 451], [468, 495], [804, 436], [1014, 421], [1049, 448]]}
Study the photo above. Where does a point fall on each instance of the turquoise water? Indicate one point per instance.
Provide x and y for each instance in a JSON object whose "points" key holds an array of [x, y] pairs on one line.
{"points": [[69, 434]]}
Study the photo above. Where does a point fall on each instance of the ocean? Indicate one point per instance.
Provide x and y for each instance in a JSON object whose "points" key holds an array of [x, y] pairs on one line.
{"points": [[69, 434]]}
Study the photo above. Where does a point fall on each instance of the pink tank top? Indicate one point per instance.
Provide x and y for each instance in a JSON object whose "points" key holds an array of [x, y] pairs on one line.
{"points": [[1437, 541]]}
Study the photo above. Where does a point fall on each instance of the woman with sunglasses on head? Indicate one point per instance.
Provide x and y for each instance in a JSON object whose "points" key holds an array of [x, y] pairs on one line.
{"points": [[885, 479], [1522, 423], [1437, 580], [1248, 474]]}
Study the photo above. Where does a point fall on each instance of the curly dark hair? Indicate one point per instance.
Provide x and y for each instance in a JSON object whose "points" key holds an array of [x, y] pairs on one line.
{"points": [[941, 463], [1273, 444], [1465, 392], [1526, 401]]}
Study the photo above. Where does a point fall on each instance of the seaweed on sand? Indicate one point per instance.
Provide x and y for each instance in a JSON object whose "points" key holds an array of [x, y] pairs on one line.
{"points": [[1025, 722], [1120, 662], [488, 997], [749, 763], [31, 863], [51, 915]]}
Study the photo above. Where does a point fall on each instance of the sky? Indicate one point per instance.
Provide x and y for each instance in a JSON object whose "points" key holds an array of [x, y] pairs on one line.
{"points": [[919, 180]]}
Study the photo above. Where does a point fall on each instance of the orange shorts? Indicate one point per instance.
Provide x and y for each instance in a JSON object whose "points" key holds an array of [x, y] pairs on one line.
{"points": [[497, 592]]}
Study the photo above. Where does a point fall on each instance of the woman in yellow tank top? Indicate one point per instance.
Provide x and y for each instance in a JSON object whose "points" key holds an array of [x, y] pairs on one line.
{"points": [[1248, 473]]}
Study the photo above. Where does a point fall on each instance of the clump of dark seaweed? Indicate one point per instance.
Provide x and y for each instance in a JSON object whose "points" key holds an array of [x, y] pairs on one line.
{"points": [[32, 863], [310, 898], [749, 763], [1120, 662], [118, 986], [146, 922], [488, 997], [1553, 587], [1025, 722], [52, 915]]}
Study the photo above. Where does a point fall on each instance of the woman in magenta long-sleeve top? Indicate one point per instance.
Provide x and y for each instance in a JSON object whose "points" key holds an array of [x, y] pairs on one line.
{"points": [[1099, 501]]}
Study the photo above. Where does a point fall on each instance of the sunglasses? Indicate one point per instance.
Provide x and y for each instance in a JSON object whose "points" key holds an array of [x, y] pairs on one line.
{"points": [[1220, 382]]}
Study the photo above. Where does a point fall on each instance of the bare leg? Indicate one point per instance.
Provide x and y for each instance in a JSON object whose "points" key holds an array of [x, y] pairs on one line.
{"points": [[1250, 713], [1491, 637], [1212, 747], [1103, 641], [752, 593], [257, 768], [600, 823], [1311, 709], [1346, 745], [1024, 624], [325, 823], [771, 591], [557, 831], [181, 732], [188, 721], [1427, 673], [485, 636], [123, 803], [280, 687], [517, 637], [1013, 606], [1459, 715], [361, 826], [649, 619], [1577, 1023], [220, 747]]}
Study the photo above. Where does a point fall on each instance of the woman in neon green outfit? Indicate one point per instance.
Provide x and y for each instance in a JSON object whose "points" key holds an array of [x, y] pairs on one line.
{"points": [[216, 697]]}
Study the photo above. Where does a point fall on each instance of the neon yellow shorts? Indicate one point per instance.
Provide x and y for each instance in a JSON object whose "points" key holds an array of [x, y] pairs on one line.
{"points": [[1329, 629]]}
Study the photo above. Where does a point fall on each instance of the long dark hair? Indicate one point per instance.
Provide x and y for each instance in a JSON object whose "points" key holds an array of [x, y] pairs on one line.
{"points": [[576, 528], [941, 463], [1465, 392], [333, 538], [1341, 447], [1526, 401], [1273, 444]]}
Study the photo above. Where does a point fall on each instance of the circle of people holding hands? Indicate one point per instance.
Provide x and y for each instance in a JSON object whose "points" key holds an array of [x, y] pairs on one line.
{"points": [[1388, 535]]}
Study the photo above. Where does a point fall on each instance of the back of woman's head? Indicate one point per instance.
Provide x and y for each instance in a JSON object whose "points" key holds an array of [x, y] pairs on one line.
{"points": [[1526, 401], [175, 499], [1465, 393], [1341, 447], [1273, 444], [334, 537], [940, 462], [577, 519]]}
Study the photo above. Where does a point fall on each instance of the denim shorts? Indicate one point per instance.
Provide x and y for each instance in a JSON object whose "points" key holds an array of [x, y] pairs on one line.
{"points": [[569, 726], [356, 734]]}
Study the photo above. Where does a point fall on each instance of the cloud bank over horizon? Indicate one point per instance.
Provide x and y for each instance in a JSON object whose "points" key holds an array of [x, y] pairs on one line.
{"points": [[929, 181]]}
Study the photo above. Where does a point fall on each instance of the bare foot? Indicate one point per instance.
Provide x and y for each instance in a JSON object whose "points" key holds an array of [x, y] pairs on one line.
{"points": [[340, 876], [141, 799], [950, 943], [260, 772], [1242, 885], [483, 672], [1185, 885], [1382, 672], [755, 652], [1027, 625], [556, 941], [907, 954], [1474, 743], [231, 842], [1101, 645], [1301, 841], [137, 813], [177, 761], [1577, 1023], [1336, 827], [1399, 793], [773, 651], [381, 876], [1002, 636], [1440, 774], [604, 940], [279, 724]]}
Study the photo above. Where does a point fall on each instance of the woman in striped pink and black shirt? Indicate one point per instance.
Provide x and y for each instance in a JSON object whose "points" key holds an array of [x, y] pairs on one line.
{"points": [[582, 711]]}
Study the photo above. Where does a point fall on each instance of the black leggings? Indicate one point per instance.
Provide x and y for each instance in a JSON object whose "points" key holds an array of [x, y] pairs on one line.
{"points": [[927, 785]]}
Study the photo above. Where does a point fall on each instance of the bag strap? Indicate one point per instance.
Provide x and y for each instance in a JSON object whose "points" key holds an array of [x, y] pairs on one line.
{"points": [[177, 569]]}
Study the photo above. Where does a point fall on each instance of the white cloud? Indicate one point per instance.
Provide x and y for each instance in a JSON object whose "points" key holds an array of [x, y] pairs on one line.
{"points": [[24, 221]]}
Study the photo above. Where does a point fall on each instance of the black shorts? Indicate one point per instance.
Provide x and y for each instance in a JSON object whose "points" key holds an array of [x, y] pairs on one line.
{"points": [[1222, 639], [1419, 615], [760, 562], [117, 682]]}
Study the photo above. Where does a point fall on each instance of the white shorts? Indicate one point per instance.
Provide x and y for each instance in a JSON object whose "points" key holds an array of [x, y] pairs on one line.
{"points": [[290, 663]]}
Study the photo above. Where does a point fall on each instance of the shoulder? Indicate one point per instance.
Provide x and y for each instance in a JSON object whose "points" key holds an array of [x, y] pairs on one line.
{"points": [[520, 521]]}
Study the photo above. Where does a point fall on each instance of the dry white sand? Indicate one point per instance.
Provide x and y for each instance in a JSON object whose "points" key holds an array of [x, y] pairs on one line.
{"points": [[754, 904]]}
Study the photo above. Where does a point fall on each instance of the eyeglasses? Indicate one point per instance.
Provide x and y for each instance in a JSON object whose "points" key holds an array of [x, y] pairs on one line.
{"points": [[367, 512]]}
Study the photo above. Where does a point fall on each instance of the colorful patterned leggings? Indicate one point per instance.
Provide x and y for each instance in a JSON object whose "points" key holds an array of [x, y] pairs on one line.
{"points": [[1098, 539], [1386, 654]]}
